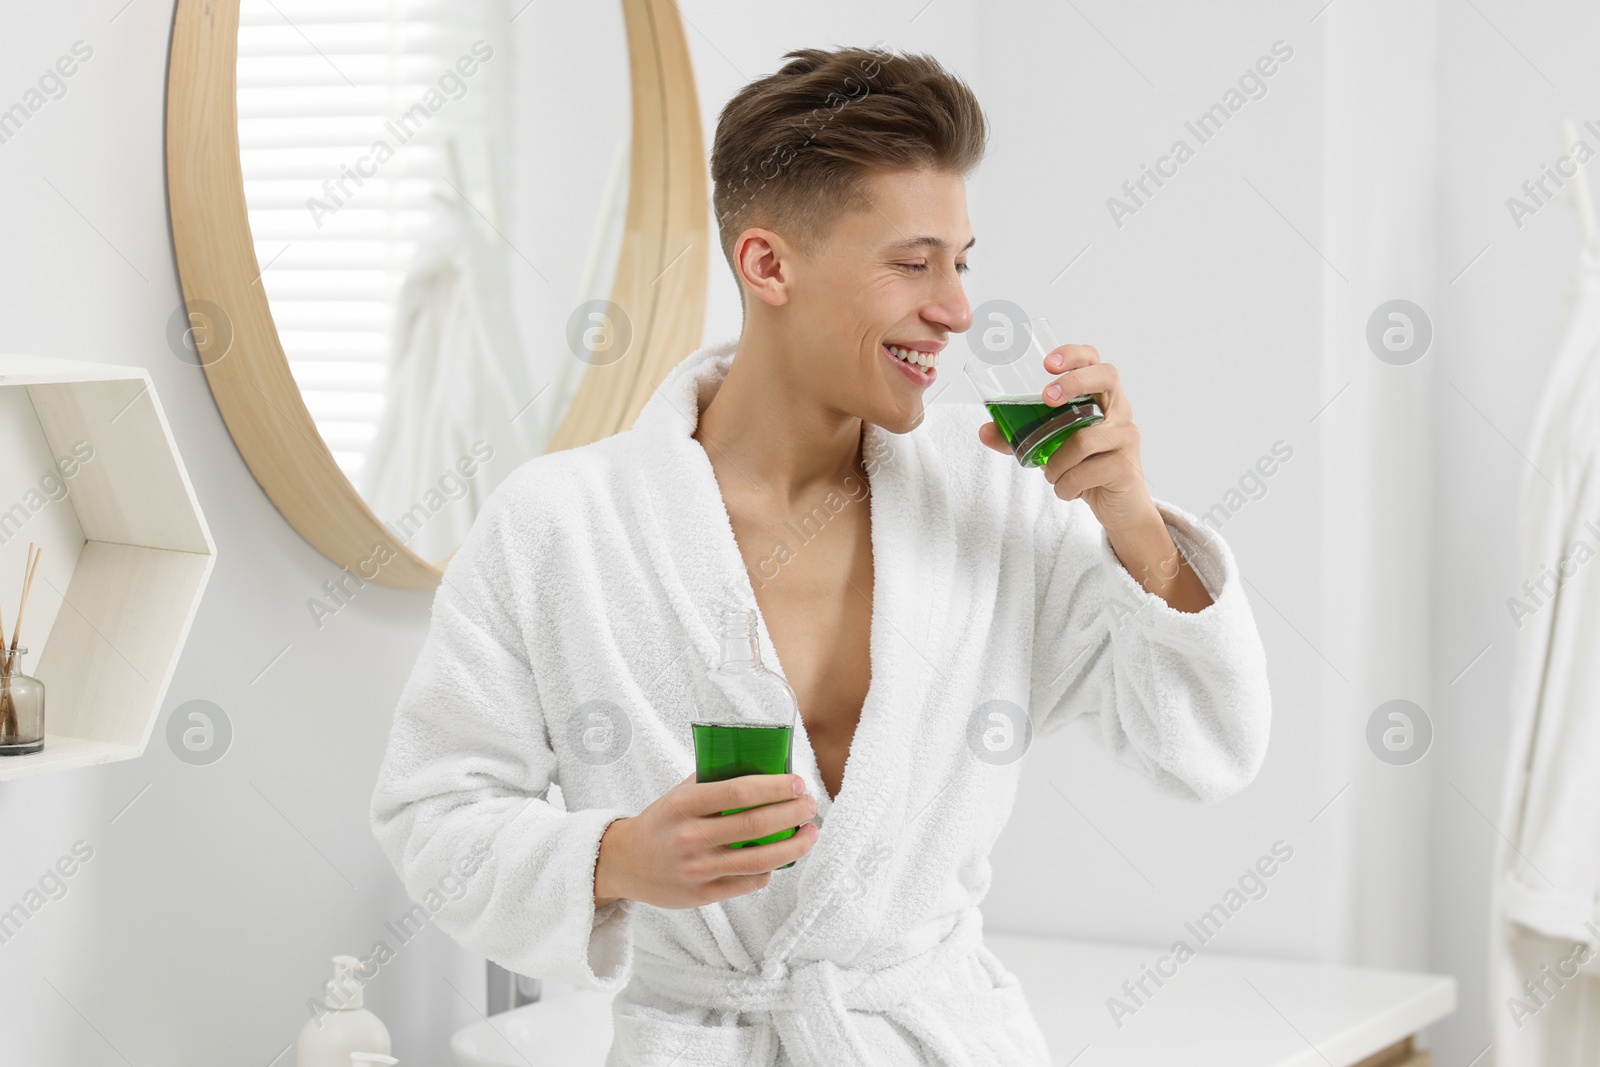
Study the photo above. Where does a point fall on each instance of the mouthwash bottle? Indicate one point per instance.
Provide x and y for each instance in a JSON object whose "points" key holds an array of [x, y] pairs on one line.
{"points": [[744, 716]]}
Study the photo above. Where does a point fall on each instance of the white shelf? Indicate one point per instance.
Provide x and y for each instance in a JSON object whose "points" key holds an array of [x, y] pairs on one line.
{"points": [[126, 553]]}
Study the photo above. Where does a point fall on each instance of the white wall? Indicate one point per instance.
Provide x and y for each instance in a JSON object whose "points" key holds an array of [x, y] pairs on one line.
{"points": [[208, 914], [1207, 302]]}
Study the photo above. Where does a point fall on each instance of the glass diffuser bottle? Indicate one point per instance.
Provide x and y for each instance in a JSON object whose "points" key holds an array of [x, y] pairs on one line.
{"points": [[744, 715], [21, 706]]}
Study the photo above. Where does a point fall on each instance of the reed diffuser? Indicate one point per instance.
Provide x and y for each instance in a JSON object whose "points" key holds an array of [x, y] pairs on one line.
{"points": [[21, 697]]}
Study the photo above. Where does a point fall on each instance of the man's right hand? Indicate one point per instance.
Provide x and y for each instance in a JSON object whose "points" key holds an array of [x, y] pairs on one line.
{"points": [[674, 853]]}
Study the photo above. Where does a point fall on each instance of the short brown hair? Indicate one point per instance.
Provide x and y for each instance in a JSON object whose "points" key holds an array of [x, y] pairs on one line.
{"points": [[790, 147]]}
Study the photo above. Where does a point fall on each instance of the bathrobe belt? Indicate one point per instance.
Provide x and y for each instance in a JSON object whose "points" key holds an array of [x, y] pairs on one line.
{"points": [[807, 1000]]}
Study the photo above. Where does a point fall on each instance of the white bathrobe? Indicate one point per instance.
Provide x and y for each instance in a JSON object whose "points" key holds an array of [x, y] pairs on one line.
{"points": [[562, 646], [1545, 895]]}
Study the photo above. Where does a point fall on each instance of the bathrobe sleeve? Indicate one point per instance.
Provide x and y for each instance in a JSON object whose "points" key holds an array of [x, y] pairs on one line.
{"points": [[1179, 697], [461, 795]]}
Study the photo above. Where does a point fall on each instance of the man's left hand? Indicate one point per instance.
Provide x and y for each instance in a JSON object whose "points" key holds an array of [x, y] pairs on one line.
{"points": [[1099, 463]]}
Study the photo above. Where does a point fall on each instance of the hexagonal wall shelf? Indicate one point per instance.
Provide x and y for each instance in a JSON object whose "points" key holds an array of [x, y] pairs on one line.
{"points": [[90, 473]]}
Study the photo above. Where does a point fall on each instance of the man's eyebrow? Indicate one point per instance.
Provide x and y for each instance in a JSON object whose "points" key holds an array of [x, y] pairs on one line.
{"points": [[926, 240]]}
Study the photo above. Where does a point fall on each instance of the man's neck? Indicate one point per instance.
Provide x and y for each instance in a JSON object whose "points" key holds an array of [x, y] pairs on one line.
{"points": [[766, 423]]}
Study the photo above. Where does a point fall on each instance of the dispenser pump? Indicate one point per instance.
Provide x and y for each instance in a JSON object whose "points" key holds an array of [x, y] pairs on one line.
{"points": [[344, 988], [340, 1031]]}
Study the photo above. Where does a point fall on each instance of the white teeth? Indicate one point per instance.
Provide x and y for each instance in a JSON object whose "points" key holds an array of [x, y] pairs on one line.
{"points": [[923, 360]]}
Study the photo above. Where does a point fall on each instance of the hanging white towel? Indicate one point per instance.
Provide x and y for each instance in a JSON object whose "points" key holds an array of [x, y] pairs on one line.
{"points": [[598, 574], [457, 383], [1546, 888]]}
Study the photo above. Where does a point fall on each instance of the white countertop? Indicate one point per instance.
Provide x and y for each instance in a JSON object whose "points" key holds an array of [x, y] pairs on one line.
{"points": [[1208, 1013], [1205, 1015]]}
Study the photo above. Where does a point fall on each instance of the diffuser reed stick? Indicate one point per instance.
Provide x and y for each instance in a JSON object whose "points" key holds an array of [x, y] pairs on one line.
{"points": [[8, 707]]}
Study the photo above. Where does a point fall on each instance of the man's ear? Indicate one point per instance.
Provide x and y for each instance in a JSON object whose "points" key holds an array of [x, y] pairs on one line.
{"points": [[761, 256]]}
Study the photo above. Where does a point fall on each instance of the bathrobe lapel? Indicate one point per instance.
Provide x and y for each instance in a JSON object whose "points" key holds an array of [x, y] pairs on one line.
{"points": [[703, 574]]}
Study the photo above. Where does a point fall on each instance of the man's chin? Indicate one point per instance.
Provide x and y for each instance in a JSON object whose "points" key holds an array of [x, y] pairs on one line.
{"points": [[899, 422]]}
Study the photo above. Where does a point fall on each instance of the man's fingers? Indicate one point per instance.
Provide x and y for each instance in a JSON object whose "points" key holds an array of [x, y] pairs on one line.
{"points": [[1096, 379], [755, 822], [745, 791], [990, 435], [1089, 441], [1066, 357], [1093, 472], [757, 859]]}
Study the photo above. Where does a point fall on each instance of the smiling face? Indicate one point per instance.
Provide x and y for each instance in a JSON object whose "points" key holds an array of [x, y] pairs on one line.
{"points": [[888, 278]]}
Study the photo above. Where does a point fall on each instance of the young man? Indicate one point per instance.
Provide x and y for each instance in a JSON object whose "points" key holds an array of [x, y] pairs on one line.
{"points": [[934, 605]]}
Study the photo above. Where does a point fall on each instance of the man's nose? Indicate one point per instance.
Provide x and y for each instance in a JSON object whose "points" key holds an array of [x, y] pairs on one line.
{"points": [[954, 310]]}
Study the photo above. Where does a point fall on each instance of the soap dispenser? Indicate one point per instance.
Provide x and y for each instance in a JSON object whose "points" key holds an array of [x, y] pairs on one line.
{"points": [[329, 1039]]}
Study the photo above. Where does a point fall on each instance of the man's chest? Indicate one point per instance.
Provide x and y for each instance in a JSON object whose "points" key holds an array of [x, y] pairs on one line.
{"points": [[813, 585]]}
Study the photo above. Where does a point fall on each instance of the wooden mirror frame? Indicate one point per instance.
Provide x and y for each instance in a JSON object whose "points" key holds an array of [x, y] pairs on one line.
{"points": [[660, 281]]}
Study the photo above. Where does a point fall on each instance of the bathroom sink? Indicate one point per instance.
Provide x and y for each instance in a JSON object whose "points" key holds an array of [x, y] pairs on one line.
{"points": [[567, 1027]]}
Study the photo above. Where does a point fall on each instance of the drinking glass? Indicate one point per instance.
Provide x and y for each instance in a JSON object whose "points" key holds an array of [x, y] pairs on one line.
{"points": [[1011, 385]]}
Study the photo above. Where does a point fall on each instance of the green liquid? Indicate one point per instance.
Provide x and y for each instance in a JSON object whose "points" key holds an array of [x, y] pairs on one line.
{"points": [[730, 750], [1034, 429]]}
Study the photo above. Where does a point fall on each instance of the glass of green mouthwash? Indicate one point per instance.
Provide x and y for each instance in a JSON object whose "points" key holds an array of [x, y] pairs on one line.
{"points": [[1011, 385], [744, 716]]}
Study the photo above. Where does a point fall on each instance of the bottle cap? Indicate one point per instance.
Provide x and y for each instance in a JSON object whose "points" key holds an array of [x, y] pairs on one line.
{"points": [[344, 988]]}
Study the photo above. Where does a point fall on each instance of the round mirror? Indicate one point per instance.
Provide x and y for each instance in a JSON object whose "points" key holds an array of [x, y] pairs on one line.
{"points": [[462, 218]]}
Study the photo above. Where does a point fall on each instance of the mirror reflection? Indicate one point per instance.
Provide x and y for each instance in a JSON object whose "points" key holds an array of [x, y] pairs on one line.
{"points": [[431, 191]]}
